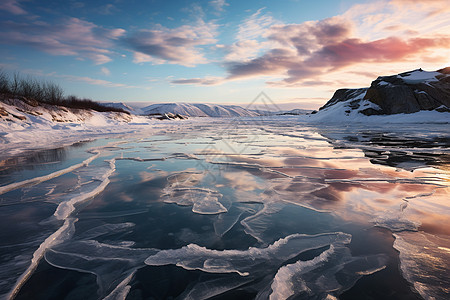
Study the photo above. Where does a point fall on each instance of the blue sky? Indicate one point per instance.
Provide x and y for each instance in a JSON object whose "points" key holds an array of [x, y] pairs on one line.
{"points": [[221, 51]]}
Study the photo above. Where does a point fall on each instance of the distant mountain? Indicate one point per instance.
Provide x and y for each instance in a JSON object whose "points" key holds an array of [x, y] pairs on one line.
{"points": [[296, 111], [406, 93], [198, 110], [127, 107]]}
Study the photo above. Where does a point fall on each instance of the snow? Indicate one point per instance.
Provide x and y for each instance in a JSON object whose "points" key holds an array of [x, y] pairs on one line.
{"points": [[384, 83], [419, 76], [42, 127], [337, 114]]}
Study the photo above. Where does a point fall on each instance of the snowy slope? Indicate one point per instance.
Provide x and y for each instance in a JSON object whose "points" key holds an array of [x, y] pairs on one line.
{"points": [[198, 110], [24, 126]]}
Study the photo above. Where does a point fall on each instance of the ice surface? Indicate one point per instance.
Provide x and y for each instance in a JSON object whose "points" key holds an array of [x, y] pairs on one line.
{"points": [[122, 289], [203, 201], [330, 273], [113, 265], [62, 234], [396, 224], [210, 288], [182, 190], [36, 180], [225, 222], [66, 208], [256, 225], [244, 262], [356, 176], [424, 262]]}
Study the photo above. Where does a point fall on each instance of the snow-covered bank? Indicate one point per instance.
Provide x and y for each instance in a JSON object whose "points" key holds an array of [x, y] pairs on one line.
{"points": [[26, 127]]}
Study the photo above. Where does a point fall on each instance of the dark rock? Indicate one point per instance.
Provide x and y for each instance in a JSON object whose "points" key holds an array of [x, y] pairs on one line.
{"points": [[395, 95], [343, 95], [398, 94]]}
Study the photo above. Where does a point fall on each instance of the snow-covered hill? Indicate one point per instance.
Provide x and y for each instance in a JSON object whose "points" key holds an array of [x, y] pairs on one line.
{"points": [[126, 107], [198, 110]]}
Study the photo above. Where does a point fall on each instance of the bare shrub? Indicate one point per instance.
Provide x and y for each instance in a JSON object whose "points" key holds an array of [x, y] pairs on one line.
{"points": [[46, 92]]}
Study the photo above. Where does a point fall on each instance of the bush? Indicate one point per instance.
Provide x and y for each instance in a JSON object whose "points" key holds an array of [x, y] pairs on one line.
{"points": [[75, 102], [46, 92]]}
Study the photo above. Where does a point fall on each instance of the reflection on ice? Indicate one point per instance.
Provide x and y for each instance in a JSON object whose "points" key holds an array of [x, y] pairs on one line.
{"points": [[203, 201], [36, 180], [425, 262], [270, 189], [181, 190]]}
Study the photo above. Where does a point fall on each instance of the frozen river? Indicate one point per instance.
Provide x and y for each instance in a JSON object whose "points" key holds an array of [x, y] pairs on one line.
{"points": [[231, 209]]}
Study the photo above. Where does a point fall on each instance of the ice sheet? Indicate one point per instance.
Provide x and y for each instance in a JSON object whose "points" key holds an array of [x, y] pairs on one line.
{"points": [[36, 180], [62, 234], [66, 208], [113, 265], [210, 288]]}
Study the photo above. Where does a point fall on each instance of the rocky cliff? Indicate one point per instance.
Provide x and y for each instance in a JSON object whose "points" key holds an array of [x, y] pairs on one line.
{"points": [[407, 93]]}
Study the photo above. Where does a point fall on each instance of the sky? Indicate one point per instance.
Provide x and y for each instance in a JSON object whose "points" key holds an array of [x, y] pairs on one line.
{"points": [[298, 52]]}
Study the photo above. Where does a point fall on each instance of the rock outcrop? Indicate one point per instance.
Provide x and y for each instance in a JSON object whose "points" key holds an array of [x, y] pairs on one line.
{"points": [[407, 92]]}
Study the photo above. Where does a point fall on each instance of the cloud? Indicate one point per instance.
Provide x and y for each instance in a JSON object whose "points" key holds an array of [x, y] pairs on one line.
{"points": [[91, 81], [180, 45], [71, 36], [390, 49], [255, 26], [199, 81], [368, 39], [310, 36], [105, 71], [12, 6], [301, 54], [332, 57], [249, 37], [218, 5]]}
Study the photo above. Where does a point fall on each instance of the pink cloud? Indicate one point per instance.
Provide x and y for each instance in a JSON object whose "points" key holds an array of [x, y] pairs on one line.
{"points": [[311, 49], [390, 49]]}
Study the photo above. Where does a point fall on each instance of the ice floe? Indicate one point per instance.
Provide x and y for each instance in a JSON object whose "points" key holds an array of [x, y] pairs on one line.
{"points": [[244, 262]]}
